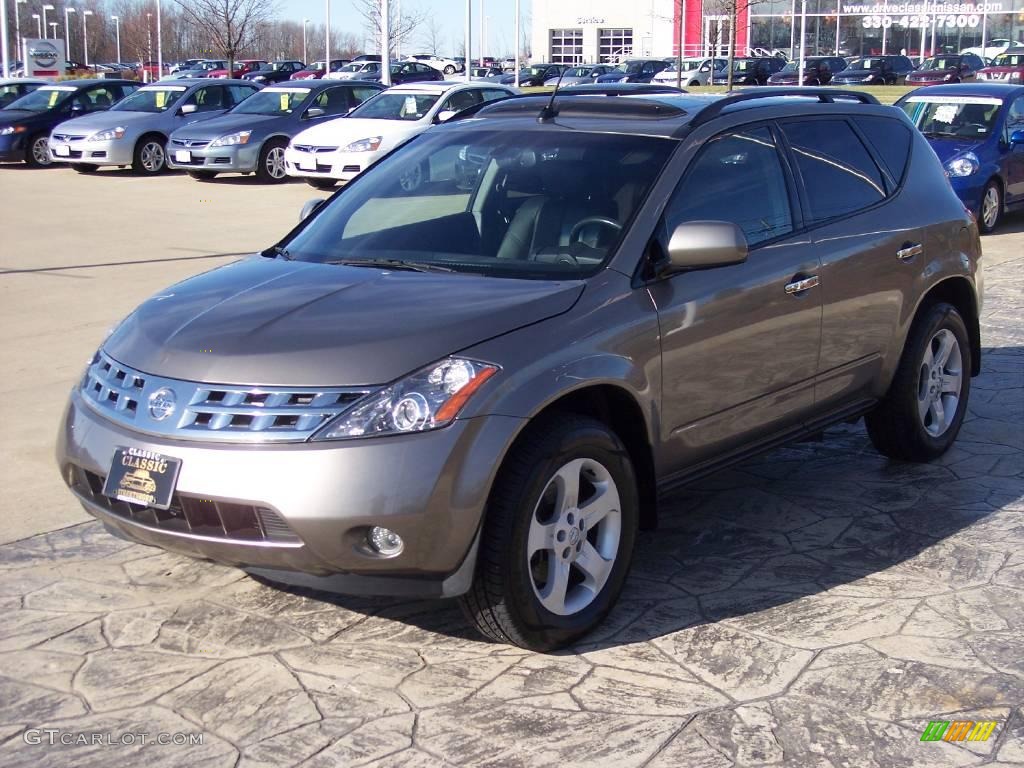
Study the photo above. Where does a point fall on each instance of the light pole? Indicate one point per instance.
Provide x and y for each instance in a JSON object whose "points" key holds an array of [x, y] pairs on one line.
{"points": [[46, 8], [39, 24], [67, 28], [85, 34], [803, 41], [481, 33], [53, 29], [149, 47], [385, 43], [469, 39], [327, 38], [517, 43], [5, 60], [160, 46], [117, 34], [305, 23], [17, 28]]}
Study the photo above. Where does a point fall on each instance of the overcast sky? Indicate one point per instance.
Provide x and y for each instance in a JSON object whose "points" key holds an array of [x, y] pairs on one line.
{"points": [[450, 15]]}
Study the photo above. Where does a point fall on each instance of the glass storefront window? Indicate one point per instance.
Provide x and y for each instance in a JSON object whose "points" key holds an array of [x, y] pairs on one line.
{"points": [[614, 45], [566, 46]]}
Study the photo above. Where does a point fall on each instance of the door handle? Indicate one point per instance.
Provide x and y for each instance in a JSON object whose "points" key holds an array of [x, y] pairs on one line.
{"points": [[909, 251], [799, 286]]}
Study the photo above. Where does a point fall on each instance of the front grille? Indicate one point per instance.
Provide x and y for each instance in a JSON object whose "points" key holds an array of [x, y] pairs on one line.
{"points": [[67, 137], [189, 143], [200, 411], [188, 514], [350, 169], [312, 148]]}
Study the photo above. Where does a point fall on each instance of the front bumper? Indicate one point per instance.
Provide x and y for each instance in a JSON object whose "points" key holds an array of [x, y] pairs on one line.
{"points": [[314, 501], [969, 189], [115, 152], [343, 166], [238, 159], [12, 148]]}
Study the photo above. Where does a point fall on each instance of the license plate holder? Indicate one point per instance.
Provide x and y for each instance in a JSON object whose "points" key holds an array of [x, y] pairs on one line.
{"points": [[142, 477], [182, 156], [62, 150], [307, 163]]}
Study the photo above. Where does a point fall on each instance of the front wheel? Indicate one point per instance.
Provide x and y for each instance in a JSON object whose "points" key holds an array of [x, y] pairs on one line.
{"points": [[920, 416], [449, 70], [558, 537], [270, 167], [991, 208], [38, 152], [150, 158]]}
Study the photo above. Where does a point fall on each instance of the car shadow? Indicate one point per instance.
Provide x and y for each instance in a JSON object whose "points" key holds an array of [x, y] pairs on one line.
{"points": [[814, 517]]}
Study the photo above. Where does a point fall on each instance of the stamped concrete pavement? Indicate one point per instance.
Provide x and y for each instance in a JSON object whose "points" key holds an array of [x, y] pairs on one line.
{"points": [[815, 607]]}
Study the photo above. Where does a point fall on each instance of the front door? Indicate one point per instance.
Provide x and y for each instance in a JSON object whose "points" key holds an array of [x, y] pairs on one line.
{"points": [[716, 35], [739, 343], [1015, 154]]}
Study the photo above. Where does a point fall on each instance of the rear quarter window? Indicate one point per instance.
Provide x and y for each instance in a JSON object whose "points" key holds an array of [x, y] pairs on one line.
{"points": [[891, 140]]}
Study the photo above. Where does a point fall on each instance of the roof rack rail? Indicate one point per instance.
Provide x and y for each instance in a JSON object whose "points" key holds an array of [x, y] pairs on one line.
{"points": [[824, 96]]}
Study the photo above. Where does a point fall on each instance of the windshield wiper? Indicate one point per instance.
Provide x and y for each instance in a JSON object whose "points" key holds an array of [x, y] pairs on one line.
{"points": [[278, 250], [940, 133], [411, 266]]}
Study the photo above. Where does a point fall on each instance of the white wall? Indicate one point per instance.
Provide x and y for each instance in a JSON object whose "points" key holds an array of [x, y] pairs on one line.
{"points": [[650, 20]]}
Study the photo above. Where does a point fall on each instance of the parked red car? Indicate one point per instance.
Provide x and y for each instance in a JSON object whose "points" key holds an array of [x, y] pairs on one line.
{"points": [[1007, 68], [243, 67], [946, 68], [152, 70], [316, 70]]}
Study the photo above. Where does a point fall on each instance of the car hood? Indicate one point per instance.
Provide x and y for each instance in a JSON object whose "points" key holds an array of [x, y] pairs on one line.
{"points": [[614, 77], [949, 148], [848, 74], [99, 120], [225, 124], [285, 323], [11, 116], [349, 129], [988, 70], [930, 74]]}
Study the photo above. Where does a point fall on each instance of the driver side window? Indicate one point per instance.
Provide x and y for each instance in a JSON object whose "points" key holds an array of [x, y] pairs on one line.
{"points": [[1014, 118]]}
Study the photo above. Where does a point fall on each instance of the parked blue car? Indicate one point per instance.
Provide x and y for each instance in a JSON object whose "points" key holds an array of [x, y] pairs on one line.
{"points": [[977, 130]]}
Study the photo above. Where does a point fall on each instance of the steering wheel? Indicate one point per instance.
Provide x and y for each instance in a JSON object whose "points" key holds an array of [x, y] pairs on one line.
{"points": [[583, 223]]}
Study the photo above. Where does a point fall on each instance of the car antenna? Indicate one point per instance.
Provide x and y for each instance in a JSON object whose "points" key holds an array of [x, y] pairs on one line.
{"points": [[547, 114]]}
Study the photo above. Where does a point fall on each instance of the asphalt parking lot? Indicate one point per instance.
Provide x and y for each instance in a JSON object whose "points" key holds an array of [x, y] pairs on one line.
{"points": [[818, 606]]}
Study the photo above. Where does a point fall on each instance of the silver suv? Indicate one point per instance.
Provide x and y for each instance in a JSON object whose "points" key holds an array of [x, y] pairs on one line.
{"points": [[480, 387]]}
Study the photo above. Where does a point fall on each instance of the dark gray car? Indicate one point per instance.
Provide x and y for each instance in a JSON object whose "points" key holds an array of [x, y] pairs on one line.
{"points": [[251, 138], [480, 387]]}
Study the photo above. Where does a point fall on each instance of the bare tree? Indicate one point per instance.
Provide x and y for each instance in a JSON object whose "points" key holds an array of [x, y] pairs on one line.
{"points": [[399, 29], [230, 26], [430, 36]]}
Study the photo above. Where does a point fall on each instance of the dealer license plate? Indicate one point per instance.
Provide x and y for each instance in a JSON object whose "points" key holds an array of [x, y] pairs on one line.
{"points": [[307, 163], [142, 477], [182, 156], [62, 150]]}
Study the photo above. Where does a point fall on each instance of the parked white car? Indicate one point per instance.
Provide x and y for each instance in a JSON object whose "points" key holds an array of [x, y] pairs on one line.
{"points": [[695, 72], [441, 64], [992, 48], [341, 149], [357, 70]]}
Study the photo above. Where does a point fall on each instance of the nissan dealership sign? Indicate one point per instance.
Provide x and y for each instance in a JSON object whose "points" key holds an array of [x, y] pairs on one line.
{"points": [[45, 58]]}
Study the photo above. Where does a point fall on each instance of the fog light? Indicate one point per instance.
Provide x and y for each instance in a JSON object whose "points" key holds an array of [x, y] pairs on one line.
{"points": [[384, 541]]}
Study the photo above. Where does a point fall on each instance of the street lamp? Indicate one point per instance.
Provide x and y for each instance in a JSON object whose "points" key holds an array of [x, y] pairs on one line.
{"points": [[53, 29], [149, 47], [67, 27], [46, 8], [17, 26], [117, 34], [160, 46], [39, 24], [85, 35], [305, 23], [327, 43]]}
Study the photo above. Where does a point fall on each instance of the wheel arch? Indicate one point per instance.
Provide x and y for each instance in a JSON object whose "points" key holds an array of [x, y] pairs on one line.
{"points": [[959, 292], [150, 135]]}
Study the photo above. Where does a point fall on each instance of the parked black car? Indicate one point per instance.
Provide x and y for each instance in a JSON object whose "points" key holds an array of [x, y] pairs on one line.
{"points": [[406, 72], [875, 70], [275, 71], [14, 88], [25, 124], [818, 70], [754, 70], [634, 71], [534, 75]]}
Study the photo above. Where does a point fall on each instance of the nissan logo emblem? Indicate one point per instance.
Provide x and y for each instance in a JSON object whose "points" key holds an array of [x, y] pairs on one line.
{"points": [[162, 403], [44, 54]]}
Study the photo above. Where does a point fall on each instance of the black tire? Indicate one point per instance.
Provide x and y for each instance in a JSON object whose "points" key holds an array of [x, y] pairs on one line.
{"points": [[449, 70], [85, 167], [203, 175], [994, 189], [415, 177], [502, 603], [323, 184], [150, 157], [270, 166], [34, 155], [896, 427]]}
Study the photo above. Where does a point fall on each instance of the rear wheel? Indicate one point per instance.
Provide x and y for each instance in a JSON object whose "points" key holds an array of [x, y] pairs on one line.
{"points": [[270, 168], [38, 151], [321, 183], [558, 537], [85, 167], [991, 207], [149, 158], [203, 175], [920, 416], [449, 70]]}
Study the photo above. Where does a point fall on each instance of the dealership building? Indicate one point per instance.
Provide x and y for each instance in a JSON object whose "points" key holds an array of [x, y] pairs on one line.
{"points": [[590, 31]]}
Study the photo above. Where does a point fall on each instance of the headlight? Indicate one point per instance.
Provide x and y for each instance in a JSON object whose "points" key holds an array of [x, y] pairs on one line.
{"points": [[624, 79], [232, 139], [949, 77], [259, 78], [12, 129], [429, 399], [108, 135], [364, 145], [868, 79], [964, 165]]}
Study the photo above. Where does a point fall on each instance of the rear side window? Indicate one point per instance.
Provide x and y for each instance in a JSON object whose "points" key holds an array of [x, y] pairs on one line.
{"points": [[838, 173], [737, 177], [890, 139]]}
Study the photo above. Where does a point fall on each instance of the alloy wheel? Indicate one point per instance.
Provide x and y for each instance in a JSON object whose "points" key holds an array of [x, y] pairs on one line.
{"points": [[275, 163], [990, 207], [574, 536], [41, 151], [152, 157], [940, 381]]}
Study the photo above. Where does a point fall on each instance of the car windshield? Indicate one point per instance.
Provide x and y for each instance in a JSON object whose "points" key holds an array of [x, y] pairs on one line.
{"points": [[151, 99], [744, 65], [351, 67], [960, 117], [397, 106], [1009, 60], [317, 65], [794, 66], [578, 72], [475, 192], [868, 63], [43, 100], [941, 62], [272, 101], [629, 67], [535, 70]]}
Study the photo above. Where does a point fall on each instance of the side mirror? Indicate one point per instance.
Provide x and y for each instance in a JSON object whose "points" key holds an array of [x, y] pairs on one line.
{"points": [[1017, 138], [446, 115], [314, 112], [311, 207], [77, 109], [188, 109], [703, 244]]}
